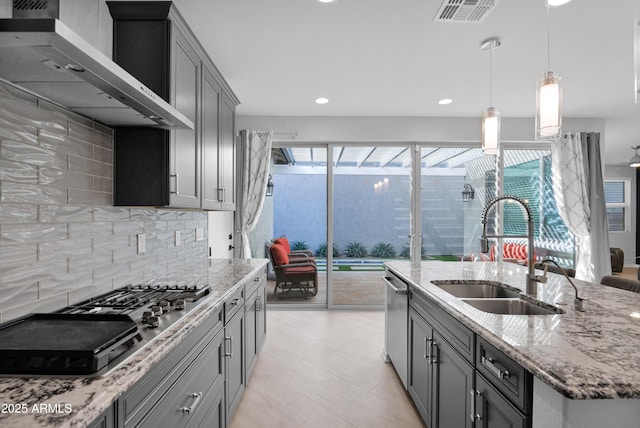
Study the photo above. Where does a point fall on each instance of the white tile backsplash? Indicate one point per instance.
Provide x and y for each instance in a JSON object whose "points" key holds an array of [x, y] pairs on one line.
{"points": [[61, 240]]}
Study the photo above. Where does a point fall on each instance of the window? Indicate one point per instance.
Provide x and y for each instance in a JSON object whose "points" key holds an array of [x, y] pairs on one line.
{"points": [[616, 196]]}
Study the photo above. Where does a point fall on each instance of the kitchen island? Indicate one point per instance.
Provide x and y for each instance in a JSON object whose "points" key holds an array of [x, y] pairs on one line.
{"points": [[585, 365], [77, 401]]}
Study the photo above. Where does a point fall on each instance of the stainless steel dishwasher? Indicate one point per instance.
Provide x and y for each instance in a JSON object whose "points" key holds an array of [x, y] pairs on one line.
{"points": [[396, 320]]}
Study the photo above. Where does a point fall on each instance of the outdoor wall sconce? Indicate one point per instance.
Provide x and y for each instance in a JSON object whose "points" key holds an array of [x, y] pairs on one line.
{"points": [[468, 193], [269, 186], [635, 160]]}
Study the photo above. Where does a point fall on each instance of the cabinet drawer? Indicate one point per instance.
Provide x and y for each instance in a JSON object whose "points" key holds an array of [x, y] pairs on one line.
{"points": [[458, 336], [233, 303], [252, 284], [187, 402], [493, 410], [139, 399], [509, 377]]}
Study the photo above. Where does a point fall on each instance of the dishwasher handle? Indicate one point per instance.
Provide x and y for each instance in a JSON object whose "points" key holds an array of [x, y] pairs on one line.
{"points": [[400, 291]]}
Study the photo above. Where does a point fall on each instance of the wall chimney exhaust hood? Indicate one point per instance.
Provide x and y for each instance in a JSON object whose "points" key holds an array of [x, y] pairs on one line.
{"points": [[48, 59]]}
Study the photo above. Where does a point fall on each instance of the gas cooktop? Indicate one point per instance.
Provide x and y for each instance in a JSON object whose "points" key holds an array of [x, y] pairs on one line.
{"points": [[96, 335]]}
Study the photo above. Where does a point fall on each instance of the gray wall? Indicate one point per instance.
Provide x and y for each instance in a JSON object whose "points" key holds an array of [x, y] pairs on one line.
{"points": [[61, 240], [367, 216]]}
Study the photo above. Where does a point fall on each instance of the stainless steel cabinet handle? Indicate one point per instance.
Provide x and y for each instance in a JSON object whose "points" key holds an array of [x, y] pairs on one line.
{"points": [[489, 363], [433, 355], [197, 396], [235, 301], [175, 176], [427, 348], [400, 291], [474, 416], [230, 339]]}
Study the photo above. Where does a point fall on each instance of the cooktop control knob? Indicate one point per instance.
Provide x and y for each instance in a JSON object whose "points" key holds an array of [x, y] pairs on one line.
{"points": [[153, 321], [157, 310], [146, 315], [164, 306], [179, 304]]}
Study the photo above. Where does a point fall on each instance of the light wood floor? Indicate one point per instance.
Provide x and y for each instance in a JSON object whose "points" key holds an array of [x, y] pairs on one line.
{"points": [[324, 369]]}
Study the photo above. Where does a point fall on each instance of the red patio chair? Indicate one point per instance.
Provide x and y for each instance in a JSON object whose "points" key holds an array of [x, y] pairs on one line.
{"points": [[297, 279]]}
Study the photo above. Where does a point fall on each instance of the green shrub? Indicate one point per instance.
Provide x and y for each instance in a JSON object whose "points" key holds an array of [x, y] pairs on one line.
{"points": [[322, 250], [405, 252], [299, 245], [383, 250], [355, 249]]}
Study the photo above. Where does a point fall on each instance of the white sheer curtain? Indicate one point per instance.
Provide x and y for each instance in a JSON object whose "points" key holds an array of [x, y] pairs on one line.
{"points": [[255, 147], [579, 193]]}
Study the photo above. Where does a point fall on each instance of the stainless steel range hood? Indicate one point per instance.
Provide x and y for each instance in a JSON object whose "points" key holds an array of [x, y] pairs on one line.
{"points": [[46, 58]]}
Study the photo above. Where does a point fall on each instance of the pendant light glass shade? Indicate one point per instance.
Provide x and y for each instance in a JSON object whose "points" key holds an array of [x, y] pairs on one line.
{"points": [[549, 107], [490, 117], [490, 131]]}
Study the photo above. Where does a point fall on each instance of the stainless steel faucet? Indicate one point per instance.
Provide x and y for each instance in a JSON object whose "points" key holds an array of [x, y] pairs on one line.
{"points": [[532, 279], [577, 302]]}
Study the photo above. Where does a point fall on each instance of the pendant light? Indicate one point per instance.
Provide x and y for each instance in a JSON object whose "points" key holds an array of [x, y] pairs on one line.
{"points": [[490, 116], [548, 99], [635, 160]]}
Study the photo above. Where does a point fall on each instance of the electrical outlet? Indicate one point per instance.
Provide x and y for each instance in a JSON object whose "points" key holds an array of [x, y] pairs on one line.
{"points": [[142, 245], [178, 238], [199, 234]]}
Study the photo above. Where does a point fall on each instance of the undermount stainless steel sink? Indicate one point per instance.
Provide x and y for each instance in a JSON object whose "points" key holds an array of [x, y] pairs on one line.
{"points": [[512, 307], [476, 290]]}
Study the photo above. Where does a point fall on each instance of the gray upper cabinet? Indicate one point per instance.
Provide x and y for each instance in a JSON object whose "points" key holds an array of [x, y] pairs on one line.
{"points": [[227, 155], [190, 168], [211, 98], [185, 148]]}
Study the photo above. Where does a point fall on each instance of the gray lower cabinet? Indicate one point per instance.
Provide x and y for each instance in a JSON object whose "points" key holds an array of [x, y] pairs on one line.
{"points": [[182, 390], [234, 333], [439, 378], [457, 380], [420, 377], [255, 319], [493, 410], [107, 419]]}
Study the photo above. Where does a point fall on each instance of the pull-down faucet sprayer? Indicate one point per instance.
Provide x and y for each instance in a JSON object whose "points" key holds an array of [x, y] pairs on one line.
{"points": [[532, 279]]}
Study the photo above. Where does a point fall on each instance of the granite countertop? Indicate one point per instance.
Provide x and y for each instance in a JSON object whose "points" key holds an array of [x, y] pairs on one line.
{"points": [[77, 401], [582, 355]]}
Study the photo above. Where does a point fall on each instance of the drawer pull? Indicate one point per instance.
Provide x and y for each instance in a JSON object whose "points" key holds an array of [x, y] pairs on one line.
{"points": [[197, 396], [399, 291], [489, 363], [230, 353]]}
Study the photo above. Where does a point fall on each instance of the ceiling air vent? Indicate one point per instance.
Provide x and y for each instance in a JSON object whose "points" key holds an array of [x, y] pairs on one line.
{"points": [[26, 9], [461, 11]]}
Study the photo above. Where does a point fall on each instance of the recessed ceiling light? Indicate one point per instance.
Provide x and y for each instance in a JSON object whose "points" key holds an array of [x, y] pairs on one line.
{"points": [[557, 2], [321, 100], [445, 101], [326, 1]]}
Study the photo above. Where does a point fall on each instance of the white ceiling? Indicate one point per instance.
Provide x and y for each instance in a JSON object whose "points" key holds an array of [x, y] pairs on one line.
{"points": [[388, 58]]}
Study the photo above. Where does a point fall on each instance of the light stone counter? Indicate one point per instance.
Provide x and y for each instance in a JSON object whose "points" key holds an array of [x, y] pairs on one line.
{"points": [[77, 401], [577, 358]]}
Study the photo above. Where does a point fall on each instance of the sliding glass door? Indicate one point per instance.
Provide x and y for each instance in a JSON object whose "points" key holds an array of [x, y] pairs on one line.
{"points": [[371, 203], [357, 206]]}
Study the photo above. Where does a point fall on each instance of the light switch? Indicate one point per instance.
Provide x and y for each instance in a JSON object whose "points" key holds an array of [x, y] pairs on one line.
{"points": [[178, 238], [199, 234], [142, 245]]}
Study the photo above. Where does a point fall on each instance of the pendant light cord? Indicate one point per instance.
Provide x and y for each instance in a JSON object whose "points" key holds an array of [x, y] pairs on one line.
{"points": [[491, 77], [548, 39]]}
